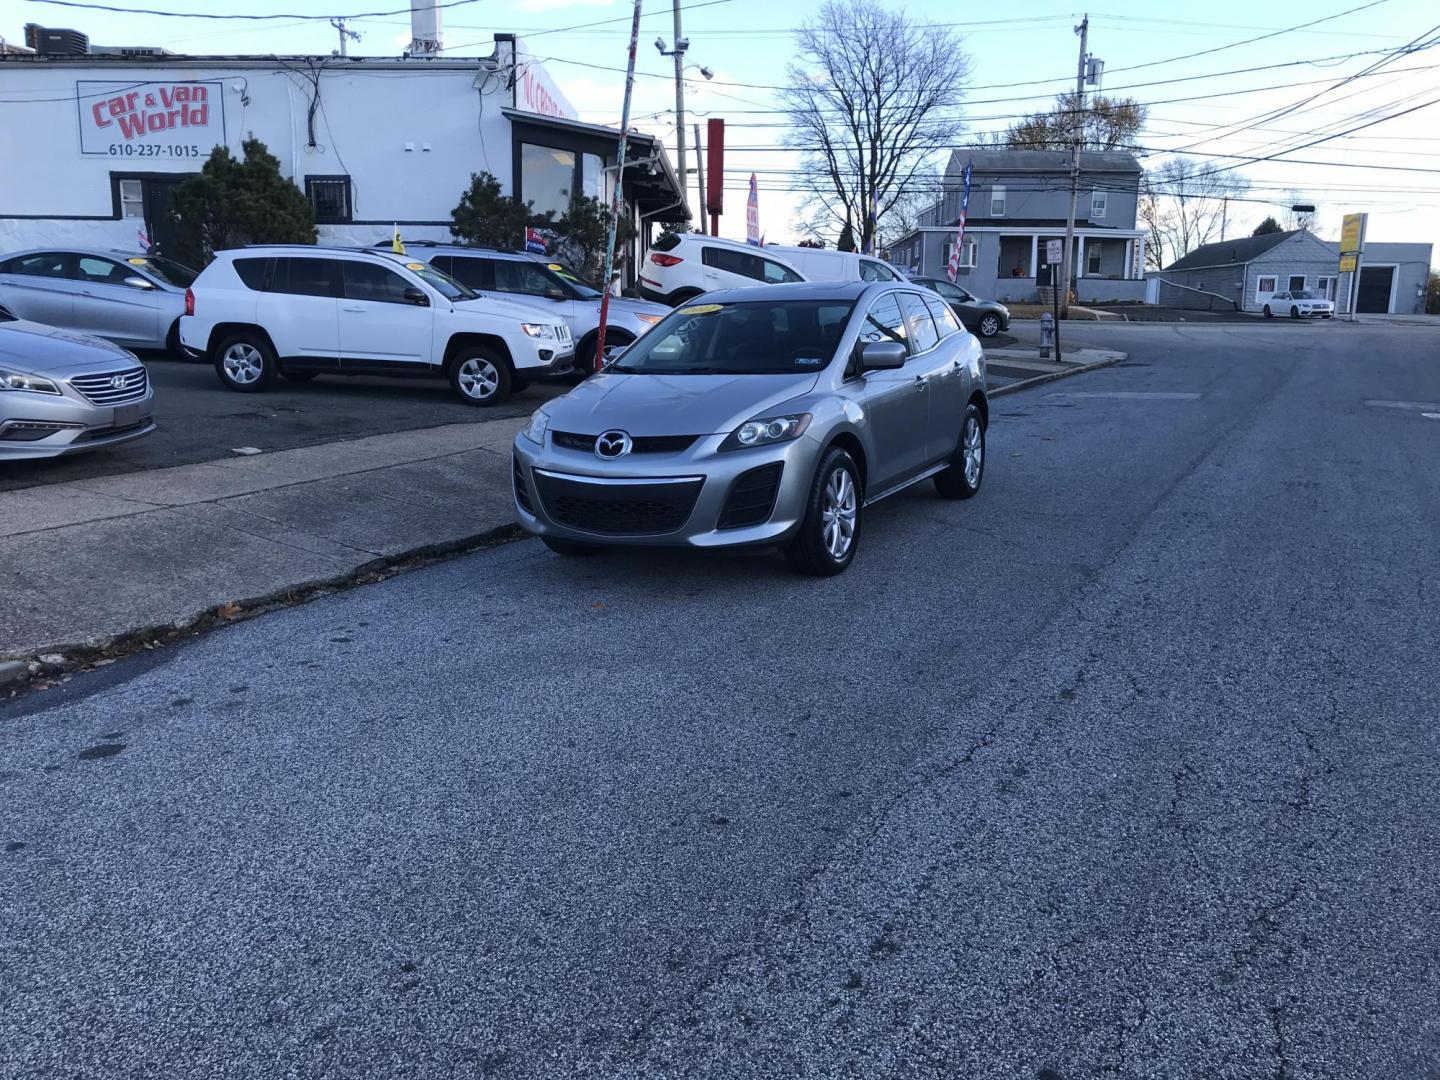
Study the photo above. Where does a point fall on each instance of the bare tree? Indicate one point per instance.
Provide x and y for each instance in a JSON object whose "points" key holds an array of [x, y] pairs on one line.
{"points": [[873, 99], [1105, 124], [905, 213], [1183, 206], [1304, 220]]}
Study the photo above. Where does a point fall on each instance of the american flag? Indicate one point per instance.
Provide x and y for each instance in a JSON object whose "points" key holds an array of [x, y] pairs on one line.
{"points": [[953, 269]]}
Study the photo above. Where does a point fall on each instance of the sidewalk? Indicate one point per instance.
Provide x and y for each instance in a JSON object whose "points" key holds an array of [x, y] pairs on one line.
{"points": [[88, 560]]}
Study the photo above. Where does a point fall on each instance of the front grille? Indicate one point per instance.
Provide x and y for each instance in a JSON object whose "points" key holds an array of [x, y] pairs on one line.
{"points": [[522, 491], [101, 389], [643, 444], [562, 334], [752, 497], [618, 509]]}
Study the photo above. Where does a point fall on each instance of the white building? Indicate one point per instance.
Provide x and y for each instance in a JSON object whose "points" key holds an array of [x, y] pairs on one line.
{"points": [[92, 145]]}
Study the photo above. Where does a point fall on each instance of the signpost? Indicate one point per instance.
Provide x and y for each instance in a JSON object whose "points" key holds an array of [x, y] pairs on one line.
{"points": [[1352, 250], [1055, 256]]}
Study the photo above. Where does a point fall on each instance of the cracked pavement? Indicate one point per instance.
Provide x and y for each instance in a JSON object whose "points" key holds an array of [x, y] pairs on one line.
{"points": [[1125, 768]]}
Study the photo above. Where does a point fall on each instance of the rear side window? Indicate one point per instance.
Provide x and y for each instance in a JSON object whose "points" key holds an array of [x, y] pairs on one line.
{"points": [[306, 277], [884, 322], [44, 264], [366, 281], [922, 326], [945, 321], [729, 260], [477, 274], [251, 272]]}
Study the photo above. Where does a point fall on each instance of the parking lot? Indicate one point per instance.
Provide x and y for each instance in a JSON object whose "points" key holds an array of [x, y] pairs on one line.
{"points": [[201, 421]]}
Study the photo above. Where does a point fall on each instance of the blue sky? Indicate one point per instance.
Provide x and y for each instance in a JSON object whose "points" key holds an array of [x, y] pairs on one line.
{"points": [[749, 42]]}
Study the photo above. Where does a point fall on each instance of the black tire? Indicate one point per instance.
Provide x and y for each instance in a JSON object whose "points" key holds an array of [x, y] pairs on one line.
{"points": [[245, 362], [1268, 313], [989, 326], [517, 384], [684, 297], [297, 376], [569, 547], [585, 351], [1294, 313], [484, 372], [173, 348], [809, 551], [956, 481]]}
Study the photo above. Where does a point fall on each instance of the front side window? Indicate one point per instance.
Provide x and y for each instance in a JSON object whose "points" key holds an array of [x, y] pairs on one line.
{"points": [[547, 178], [519, 276], [366, 281], [330, 198], [167, 270], [922, 326], [132, 199], [884, 322], [100, 271], [786, 337], [441, 282], [997, 202], [772, 273]]}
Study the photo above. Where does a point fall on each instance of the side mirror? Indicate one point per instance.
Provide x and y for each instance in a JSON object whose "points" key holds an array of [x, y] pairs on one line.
{"points": [[882, 356], [417, 297], [555, 294], [137, 282]]}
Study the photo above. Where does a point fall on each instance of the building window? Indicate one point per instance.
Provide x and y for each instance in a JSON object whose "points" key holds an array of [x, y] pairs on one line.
{"points": [[1297, 282], [968, 250], [330, 198], [132, 199], [997, 202], [1097, 204], [1325, 286], [593, 177], [547, 178], [1092, 260]]}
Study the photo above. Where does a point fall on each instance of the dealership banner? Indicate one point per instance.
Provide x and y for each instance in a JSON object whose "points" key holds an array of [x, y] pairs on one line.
{"points": [[151, 119]]}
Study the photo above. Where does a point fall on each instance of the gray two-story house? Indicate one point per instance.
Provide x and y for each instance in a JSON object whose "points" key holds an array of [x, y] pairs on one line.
{"points": [[1019, 199]]}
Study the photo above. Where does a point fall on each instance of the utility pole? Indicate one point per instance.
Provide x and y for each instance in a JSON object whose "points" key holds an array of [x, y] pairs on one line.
{"points": [[345, 35], [1064, 297], [679, 95], [1224, 213], [617, 198], [699, 178]]}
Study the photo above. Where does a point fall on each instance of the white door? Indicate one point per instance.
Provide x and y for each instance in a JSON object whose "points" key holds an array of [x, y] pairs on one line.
{"points": [[384, 318]]}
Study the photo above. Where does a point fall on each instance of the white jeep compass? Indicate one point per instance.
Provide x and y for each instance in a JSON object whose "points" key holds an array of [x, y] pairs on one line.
{"points": [[299, 311]]}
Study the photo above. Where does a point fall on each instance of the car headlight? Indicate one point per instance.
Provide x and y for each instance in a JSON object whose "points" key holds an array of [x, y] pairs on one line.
{"points": [[539, 330], [767, 430], [536, 428], [18, 380]]}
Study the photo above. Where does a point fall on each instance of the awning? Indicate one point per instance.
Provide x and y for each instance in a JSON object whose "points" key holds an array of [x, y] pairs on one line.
{"points": [[658, 195]]}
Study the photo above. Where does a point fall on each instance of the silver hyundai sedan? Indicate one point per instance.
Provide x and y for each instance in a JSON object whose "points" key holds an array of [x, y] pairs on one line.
{"points": [[760, 416]]}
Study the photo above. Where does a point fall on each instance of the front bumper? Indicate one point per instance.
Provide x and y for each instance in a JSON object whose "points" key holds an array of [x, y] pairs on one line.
{"points": [[663, 499], [67, 426], [536, 364]]}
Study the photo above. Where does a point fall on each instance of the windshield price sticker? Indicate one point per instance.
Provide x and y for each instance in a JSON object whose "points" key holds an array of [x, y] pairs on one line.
{"points": [[701, 309]]}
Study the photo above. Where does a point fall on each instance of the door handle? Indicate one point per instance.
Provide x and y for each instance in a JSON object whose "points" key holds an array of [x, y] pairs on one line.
{"points": [[921, 382], [358, 310], [957, 367]]}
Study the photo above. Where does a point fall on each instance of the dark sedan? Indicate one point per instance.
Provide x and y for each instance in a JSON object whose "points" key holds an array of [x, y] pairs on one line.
{"points": [[984, 318]]}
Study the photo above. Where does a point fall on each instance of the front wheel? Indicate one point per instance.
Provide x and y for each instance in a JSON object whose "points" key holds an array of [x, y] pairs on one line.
{"points": [[480, 377], [967, 466], [989, 325], [1294, 313], [829, 534], [246, 363]]}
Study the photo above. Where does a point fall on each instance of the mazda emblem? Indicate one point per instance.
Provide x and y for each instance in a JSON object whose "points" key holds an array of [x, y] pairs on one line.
{"points": [[613, 444]]}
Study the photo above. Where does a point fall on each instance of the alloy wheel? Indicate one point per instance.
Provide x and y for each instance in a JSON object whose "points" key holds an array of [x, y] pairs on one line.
{"points": [[989, 326], [837, 513], [478, 378], [974, 451], [243, 363]]}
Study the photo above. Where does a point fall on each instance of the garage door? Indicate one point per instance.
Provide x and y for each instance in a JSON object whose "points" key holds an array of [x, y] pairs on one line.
{"points": [[1374, 295]]}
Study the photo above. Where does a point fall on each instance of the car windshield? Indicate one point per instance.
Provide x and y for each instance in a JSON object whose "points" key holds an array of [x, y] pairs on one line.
{"points": [[167, 270], [441, 282], [583, 290], [1303, 295], [768, 337]]}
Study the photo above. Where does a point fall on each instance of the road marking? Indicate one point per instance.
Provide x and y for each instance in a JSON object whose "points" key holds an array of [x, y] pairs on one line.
{"points": [[1417, 406], [1155, 395]]}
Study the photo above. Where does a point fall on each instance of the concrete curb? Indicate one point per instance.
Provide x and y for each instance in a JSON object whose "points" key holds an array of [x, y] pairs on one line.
{"points": [[39, 670], [1025, 384]]}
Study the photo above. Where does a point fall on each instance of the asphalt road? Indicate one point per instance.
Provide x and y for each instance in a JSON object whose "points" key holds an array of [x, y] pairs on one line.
{"points": [[199, 420], [1125, 768]]}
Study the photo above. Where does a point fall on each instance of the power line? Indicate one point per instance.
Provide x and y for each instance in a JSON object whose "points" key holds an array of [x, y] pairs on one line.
{"points": [[247, 18]]}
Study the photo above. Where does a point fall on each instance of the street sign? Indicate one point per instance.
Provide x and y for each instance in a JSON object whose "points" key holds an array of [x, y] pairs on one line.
{"points": [[1351, 232], [1054, 251], [1347, 263]]}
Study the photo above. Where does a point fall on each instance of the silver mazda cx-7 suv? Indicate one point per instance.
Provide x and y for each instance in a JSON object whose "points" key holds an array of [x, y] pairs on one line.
{"points": [[765, 415]]}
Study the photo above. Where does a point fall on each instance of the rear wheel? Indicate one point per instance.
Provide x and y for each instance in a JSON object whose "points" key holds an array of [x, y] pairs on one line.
{"points": [[1268, 314], [989, 325], [967, 466], [172, 342], [569, 547], [829, 534], [245, 362], [480, 376]]}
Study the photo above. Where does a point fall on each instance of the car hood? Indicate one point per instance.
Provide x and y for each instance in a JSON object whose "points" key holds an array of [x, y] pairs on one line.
{"points": [[492, 305], [38, 349], [628, 306], [672, 404]]}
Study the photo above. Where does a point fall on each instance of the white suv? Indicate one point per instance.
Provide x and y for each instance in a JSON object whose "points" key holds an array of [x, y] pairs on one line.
{"points": [[681, 266], [298, 311]]}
